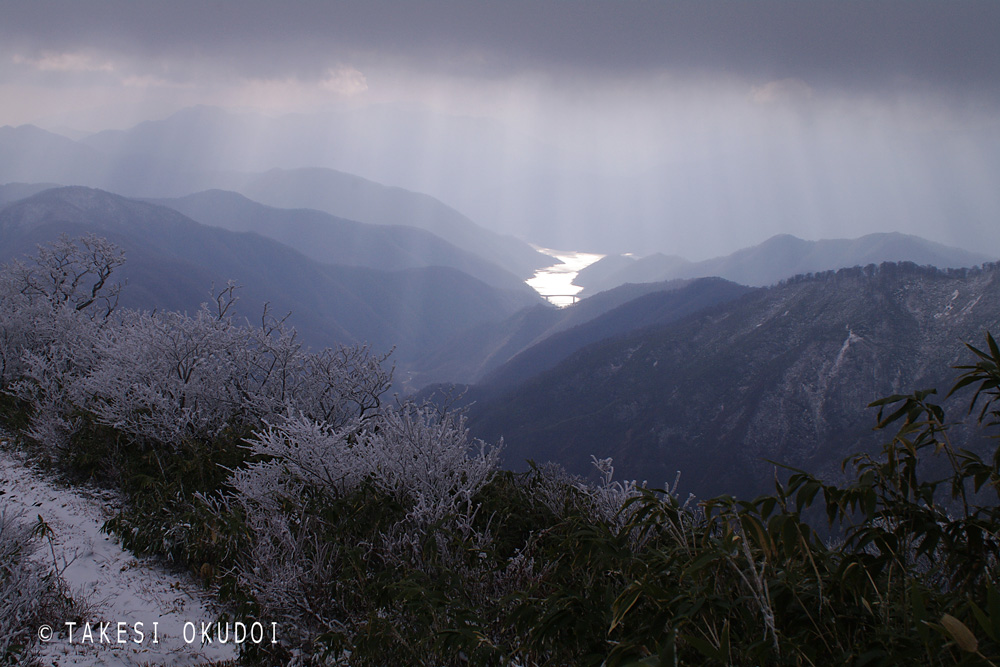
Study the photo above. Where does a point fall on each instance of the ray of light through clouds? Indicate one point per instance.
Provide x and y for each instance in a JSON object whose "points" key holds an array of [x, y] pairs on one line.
{"points": [[691, 128]]}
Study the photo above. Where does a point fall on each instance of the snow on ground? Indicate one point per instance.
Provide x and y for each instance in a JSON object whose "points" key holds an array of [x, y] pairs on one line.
{"points": [[115, 586]]}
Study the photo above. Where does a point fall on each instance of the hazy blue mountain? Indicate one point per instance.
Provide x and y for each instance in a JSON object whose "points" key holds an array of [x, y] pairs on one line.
{"points": [[473, 163], [781, 374], [657, 308], [356, 198], [116, 162], [31, 154], [360, 140], [602, 271], [777, 258], [305, 160], [11, 192], [201, 138], [332, 240], [174, 261], [468, 356]]}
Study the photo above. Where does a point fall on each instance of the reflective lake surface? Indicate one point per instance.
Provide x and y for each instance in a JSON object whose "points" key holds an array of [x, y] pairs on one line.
{"points": [[555, 282]]}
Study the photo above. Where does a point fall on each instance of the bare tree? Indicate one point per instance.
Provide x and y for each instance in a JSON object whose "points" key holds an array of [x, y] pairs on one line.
{"points": [[72, 272], [43, 297]]}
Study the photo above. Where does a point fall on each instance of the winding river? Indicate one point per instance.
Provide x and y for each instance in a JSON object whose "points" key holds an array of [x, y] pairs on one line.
{"points": [[555, 282]]}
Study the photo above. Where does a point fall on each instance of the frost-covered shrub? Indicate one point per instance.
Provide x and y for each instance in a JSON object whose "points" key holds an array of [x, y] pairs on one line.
{"points": [[338, 385], [51, 307], [165, 377], [169, 377], [30, 593], [38, 294], [423, 460], [321, 500], [17, 314], [608, 499], [50, 375], [298, 452], [74, 273], [426, 462]]}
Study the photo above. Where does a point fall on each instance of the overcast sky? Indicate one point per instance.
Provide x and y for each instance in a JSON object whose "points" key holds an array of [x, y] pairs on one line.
{"points": [[470, 49], [707, 94]]}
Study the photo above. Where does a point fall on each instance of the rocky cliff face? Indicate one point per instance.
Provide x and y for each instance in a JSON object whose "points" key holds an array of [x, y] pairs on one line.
{"points": [[782, 374]]}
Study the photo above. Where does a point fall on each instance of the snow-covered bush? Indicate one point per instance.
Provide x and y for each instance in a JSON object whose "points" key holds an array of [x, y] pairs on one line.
{"points": [[48, 380], [30, 593], [423, 460], [17, 313], [61, 353], [51, 307], [609, 498], [164, 377], [338, 385], [411, 475], [37, 296], [169, 377], [71, 272], [299, 451]]}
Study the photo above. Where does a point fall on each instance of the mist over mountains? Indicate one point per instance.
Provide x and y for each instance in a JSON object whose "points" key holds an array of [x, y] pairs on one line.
{"points": [[174, 263], [284, 286], [28, 154], [331, 240], [777, 258], [538, 186], [533, 340], [196, 203]]}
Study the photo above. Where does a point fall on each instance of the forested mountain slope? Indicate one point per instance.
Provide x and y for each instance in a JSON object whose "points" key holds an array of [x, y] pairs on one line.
{"points": [[470, 356], [656, 308], [781, 374]]}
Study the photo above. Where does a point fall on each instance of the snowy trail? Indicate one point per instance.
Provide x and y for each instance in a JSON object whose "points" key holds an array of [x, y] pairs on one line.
{"points": [[117, 587]]}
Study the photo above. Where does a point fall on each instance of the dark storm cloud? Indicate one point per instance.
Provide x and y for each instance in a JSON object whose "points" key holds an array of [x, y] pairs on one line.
{"points": [[870, 44]]}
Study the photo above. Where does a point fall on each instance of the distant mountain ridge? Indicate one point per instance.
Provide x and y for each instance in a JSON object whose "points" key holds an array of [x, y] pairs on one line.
{"points": [[11, 192], [174, 261], [29, 154], [779, 374], [470, 356], [780, 257], [656, 308], [332, 240], [355, 198], [472, 163]]}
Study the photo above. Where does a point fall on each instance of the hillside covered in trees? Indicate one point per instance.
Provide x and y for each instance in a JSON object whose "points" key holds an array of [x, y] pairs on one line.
{"points": [[374, 531], [782, 374]]}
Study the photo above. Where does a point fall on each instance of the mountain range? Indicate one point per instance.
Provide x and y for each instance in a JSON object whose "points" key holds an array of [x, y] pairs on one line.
{"points": [[782, 374], [332, 240], [174, 263], [476, 164], [777, 258], [714, 368], [536, 185], [31, 155], [535, 339]]}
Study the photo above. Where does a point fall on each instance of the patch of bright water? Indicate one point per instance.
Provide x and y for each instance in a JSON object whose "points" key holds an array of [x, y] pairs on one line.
{"points": [[555, 282]]}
